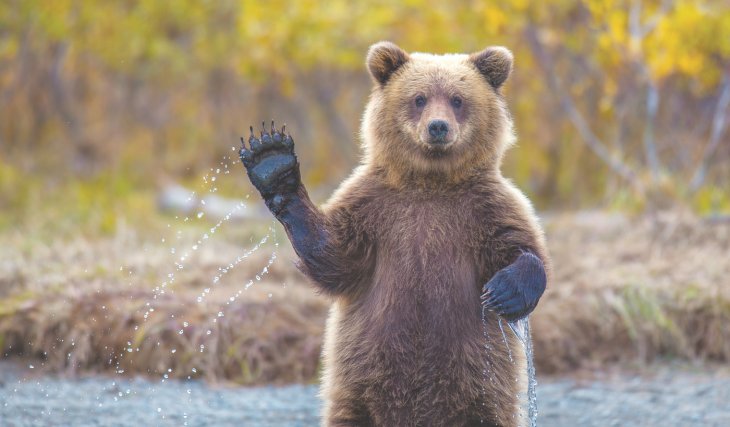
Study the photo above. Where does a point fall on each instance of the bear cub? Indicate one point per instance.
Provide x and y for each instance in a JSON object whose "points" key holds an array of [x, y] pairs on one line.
{"points": [[423, 249]]}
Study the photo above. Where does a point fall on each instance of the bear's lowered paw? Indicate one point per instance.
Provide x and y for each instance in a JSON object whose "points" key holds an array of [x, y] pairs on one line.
{"points": [[272, 165], [515, 290]]}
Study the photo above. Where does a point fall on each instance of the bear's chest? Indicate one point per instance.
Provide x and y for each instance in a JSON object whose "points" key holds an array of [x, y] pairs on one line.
{"points": [[424, 237], [425, 281]]}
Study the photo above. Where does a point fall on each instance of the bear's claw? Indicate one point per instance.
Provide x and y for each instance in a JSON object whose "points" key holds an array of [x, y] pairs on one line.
{"points": [[268, 140]]}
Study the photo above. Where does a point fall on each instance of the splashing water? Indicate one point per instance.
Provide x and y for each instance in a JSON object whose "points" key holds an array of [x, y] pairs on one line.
{"points": [[506, 343], [521, 329], [180, 260], [202, 225], [487, 373]]}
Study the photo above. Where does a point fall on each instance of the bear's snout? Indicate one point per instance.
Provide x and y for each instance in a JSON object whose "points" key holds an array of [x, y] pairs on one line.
{"points": [[438, 129]]}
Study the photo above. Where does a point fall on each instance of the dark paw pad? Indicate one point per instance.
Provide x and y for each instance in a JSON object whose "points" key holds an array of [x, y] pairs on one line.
{"points": [[271, 163]]}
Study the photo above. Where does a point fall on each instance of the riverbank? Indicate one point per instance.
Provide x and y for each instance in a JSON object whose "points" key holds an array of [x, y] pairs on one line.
{"points": [[232, 307]]}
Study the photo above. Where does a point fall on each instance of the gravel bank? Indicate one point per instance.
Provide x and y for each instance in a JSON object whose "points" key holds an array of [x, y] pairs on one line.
{"points": [[667, 397]]}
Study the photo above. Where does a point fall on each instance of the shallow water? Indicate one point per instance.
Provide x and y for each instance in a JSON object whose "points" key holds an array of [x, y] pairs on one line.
{"points": [[670, 397], [46, 401]]}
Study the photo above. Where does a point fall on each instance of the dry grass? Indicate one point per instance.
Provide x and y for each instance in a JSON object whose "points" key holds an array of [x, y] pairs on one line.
{"points": [[625, 291], [80, 306], [634, 290]]}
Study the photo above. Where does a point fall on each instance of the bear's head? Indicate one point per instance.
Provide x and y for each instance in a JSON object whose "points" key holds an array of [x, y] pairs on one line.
{"points": [[436, 114]]}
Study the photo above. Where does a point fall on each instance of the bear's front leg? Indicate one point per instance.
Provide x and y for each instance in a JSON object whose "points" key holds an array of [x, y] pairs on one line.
{"points": [[273, 169], [515, 290]]}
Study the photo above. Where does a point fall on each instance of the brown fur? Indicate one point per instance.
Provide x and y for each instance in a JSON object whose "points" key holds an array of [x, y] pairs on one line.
{"points": [[419, 233]]}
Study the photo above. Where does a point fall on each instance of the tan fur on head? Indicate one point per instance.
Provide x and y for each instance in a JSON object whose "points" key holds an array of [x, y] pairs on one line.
{"points": [[395, 127]]}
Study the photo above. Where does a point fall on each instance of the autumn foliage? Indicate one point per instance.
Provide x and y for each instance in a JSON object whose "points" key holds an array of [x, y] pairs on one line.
{"points": [[616, 103]]}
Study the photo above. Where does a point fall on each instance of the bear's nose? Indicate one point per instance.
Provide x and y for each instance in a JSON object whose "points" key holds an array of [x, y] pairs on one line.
{"points": [[438, 130]]}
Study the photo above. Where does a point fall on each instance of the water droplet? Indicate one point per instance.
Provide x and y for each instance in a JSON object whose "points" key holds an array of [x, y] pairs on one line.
{"points": [[506, 343]]}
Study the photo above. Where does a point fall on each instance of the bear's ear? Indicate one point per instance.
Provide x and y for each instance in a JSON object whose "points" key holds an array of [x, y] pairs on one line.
{"points": [[383, 59], [495, 64]]}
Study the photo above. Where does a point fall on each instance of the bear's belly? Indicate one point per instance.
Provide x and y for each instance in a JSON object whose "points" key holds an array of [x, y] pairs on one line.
{"points": [[408, 378], [414, 347]]}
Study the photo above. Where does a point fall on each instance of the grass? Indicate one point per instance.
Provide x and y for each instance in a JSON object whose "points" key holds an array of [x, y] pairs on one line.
{"points": [[625, 291], [634, 291], [81, 305]]}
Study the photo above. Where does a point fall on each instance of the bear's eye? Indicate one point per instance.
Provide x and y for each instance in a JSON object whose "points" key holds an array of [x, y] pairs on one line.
{"points": [[420, 101], [456, 102]]}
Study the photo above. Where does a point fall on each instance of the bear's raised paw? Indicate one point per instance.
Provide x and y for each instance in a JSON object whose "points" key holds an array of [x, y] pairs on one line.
{"points": [[272, 165]]}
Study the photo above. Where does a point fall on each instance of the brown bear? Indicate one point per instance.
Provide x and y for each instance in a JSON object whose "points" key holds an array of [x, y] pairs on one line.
{"points": [[422, 248]]}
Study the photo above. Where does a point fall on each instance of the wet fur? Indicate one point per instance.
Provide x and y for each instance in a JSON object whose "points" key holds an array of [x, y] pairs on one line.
{"points": [[405, 344], [404, 247]]}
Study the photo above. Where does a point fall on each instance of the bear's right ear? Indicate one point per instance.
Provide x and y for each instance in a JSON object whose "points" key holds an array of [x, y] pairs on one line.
{"points": [[383, 59], [495, 64]]}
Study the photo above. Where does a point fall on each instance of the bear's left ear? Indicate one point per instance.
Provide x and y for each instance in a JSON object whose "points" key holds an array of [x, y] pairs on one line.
{"points": [[384, 58], [495, 64]]}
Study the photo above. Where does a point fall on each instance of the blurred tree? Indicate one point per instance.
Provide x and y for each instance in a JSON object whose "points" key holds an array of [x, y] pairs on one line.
{"points": [[608, 95], [639, 56]]}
